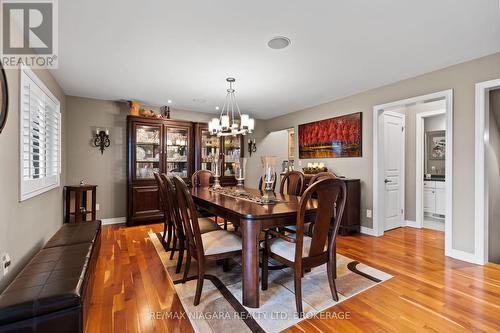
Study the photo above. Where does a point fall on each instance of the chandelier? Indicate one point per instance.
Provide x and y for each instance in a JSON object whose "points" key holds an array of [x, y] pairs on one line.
{"points": [[228, 124]]}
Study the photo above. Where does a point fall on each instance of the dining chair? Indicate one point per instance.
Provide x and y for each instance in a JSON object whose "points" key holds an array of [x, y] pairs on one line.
{"points": [[322, 175], [167, 222], [294, 182], [210, 246], [302, 252], [201, 178], [206, 224], [262, 184], [309, 225]]}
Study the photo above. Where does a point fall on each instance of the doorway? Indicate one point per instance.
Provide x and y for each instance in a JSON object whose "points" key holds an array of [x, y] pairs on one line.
{"points": [[430, 175], [411, 197], [487, 166]]}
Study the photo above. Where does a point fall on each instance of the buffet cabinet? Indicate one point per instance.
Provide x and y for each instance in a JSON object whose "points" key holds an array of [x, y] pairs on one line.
{"points": [[351, 219], [208, 146], [173, 147]]}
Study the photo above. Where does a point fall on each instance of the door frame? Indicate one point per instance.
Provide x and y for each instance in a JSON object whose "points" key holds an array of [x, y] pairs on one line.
{"points": [[481, 209], [402, 163], [419, 167], [378, 201]]}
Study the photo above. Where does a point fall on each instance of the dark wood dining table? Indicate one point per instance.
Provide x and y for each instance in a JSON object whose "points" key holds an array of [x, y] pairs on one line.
{"points": [[252, 218]]}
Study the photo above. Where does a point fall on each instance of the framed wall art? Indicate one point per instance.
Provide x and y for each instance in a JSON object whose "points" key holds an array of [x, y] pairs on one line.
{"points": [[331, 138]]}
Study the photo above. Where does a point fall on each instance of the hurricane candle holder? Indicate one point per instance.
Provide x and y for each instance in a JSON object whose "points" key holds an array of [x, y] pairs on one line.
{"points": [[216, 169], [239, 174], [269, 177]]}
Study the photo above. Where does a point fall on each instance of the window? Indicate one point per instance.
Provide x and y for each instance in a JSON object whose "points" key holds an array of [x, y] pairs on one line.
{"points": [[40, 137]]}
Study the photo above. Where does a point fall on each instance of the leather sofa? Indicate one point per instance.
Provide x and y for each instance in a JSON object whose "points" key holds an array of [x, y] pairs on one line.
{"points": [[52, 293]]}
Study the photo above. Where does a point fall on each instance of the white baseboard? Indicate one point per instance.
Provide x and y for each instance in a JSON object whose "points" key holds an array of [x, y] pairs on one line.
{"points": [[464, 256], [412, 224], [114, 220], [367, 231]]}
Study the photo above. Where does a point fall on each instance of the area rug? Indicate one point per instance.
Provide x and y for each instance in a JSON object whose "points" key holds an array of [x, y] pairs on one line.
{"points": [[220, 308]]}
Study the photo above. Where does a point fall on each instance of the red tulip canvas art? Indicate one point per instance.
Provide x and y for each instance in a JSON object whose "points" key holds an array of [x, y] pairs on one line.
{"points": [[331, 138]]}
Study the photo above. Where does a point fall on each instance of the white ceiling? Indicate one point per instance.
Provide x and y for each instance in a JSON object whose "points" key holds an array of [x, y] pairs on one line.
{"points": [[155, 50]]}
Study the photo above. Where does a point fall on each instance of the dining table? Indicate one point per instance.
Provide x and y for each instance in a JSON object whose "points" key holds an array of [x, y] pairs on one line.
{"points": [[252, 217]]}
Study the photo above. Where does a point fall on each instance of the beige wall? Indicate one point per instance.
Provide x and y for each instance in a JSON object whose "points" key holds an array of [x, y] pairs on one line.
{"points": [[273, 144], [108, 170], [462, 79], [493, 169], [25, 226], [254, 165]]}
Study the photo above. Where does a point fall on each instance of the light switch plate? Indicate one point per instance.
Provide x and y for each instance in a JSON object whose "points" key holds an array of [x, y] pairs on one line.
{"points": [[97, 207], [5, 262]]}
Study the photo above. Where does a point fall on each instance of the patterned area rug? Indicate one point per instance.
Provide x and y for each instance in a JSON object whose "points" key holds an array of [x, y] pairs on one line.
{"points": [[220, 309]]}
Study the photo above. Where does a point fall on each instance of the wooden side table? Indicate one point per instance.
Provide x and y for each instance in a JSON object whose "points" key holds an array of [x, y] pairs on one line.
{"points": [[80, 203]]}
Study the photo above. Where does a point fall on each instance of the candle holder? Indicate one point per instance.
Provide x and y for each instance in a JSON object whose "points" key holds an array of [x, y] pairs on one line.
{"points": [[269, 177], [216, 169], [239, 174], [101, 139]]}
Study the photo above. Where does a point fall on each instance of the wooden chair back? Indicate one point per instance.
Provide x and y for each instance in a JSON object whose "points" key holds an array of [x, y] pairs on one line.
{"points": [[262, 185], [201, 178], [322, 175], [327, 219], [189, 216], [173, 207], [163, 196], [293, 183]]}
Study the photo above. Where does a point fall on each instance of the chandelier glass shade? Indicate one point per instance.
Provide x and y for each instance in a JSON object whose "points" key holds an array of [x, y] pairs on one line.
{"points": [[231, 121]]}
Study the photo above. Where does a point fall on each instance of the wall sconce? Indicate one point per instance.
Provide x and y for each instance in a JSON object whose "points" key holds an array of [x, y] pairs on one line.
{"points": [[252, 147], [101, 139]]}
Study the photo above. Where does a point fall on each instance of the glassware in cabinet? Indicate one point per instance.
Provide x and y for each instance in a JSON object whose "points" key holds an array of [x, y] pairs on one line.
{"points": [[177, 151], [209, 149], [147, 151], [232, 151]]}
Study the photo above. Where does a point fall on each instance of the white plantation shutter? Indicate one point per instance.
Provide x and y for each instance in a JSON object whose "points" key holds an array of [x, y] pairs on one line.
{"points": [[40, 137]]}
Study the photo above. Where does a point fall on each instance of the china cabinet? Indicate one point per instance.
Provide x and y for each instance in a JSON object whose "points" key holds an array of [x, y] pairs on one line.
{"points": [[208, 146], [154, 145]]}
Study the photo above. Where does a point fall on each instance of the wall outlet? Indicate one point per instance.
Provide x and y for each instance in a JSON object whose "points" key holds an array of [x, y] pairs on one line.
{"points": [[369, 213], [5, 262], [97, 207]]}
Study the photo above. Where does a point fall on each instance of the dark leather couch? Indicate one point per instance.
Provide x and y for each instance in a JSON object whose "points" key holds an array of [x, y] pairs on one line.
{"points": [[52, 293]]}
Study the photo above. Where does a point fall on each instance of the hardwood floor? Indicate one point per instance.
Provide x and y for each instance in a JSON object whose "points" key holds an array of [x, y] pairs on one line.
{"points": [[428, 292]]}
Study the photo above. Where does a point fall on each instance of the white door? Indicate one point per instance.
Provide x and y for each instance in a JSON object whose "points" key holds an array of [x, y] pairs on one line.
{"points": [[394, 144]]}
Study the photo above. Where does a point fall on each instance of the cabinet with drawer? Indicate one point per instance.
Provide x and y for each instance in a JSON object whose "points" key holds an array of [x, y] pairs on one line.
{"points": [[435, 198]]}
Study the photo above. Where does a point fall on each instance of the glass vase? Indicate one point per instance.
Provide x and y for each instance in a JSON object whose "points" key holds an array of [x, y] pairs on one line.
{"points": [[239, 174], [268, 177]]}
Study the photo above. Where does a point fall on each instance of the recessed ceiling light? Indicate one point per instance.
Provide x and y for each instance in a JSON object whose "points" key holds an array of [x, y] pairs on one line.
{"points": [[279, 42], [199, 100], [217, 108], [169, 101]]}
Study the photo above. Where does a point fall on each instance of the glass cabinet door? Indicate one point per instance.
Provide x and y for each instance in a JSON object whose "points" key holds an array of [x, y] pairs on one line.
{"points": [[177, 151], [147, 151], [232, 151], [209, 149]]}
